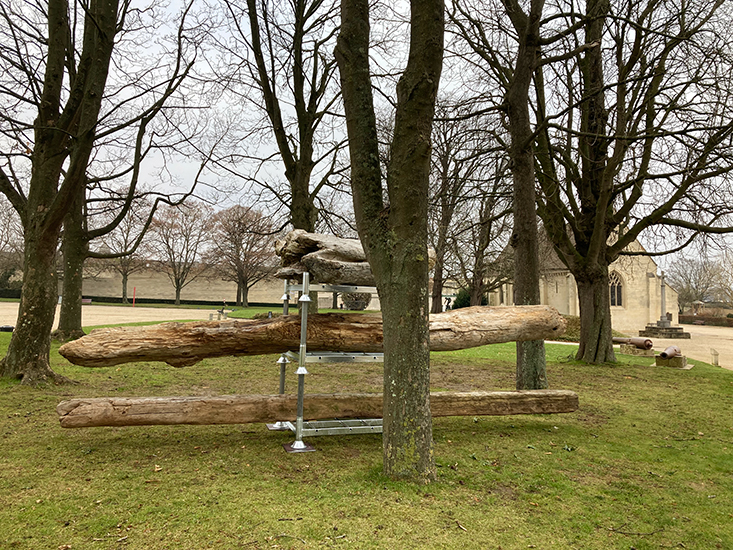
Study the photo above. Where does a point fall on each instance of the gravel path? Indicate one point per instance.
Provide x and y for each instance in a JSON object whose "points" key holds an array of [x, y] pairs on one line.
{"points": [[92, 315]]}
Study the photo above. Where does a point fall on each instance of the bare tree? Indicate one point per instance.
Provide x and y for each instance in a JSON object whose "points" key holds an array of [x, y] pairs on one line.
{"points": [[392, 220], [276, 60], [52, 86], [241, 248], [179, 235], [124, 249], [696, 280], [465, 182], [631, 125]]}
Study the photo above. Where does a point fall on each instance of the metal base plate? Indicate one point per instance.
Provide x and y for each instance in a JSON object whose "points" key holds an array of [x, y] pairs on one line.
{"points": [[305, 449], [278, 427]]}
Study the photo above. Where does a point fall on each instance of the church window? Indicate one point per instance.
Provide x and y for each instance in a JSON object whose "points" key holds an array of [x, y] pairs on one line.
{"points": [[616, 288]]}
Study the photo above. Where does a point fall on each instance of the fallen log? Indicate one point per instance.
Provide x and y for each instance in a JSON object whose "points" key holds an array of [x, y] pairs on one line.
{"points": [[184, 344], [243, 409]]}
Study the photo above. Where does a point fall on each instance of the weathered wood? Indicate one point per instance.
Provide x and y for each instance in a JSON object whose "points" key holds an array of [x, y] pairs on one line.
{"points": [[184, 344], [328, 259], [242, 409]]}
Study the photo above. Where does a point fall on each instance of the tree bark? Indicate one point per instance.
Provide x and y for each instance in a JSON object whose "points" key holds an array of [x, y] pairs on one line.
{"points": [[596, 336], [395, 234], [63, 140], [74, 251], [243, 409], [183, 344], [28, 353], [531, 366]]}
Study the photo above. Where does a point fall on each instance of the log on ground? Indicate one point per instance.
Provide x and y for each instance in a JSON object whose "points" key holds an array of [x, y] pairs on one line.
{"points": [[243, 409], [183, 344]]}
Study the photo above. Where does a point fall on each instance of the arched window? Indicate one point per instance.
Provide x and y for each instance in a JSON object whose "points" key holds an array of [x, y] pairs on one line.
{"points": [[616, 288]]}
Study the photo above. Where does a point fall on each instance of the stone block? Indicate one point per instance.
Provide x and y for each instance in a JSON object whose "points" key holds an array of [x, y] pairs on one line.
{"points": [[629, 349], [679, 362]]}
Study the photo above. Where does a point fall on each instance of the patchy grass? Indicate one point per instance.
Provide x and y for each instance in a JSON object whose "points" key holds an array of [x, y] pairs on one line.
{"points": [[572, 331], [645, 463]]}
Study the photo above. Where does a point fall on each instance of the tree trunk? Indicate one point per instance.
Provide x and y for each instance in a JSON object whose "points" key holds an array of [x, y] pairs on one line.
{"points": [[239, 293], [124, 288], [27, 357], [395, 235], [436, 305], [596, 337], [303, 213], [245, 295], [178, 296], [74, 251], [531, 366]]}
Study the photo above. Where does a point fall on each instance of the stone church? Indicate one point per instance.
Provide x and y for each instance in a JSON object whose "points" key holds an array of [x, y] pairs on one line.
{"points": [[635, 287]]}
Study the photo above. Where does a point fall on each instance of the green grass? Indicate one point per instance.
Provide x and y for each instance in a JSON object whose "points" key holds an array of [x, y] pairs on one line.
{"points": [[644, 463]]}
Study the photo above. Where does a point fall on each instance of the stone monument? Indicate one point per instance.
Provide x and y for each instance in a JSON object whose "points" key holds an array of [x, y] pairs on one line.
{"points": [[663, 328]]}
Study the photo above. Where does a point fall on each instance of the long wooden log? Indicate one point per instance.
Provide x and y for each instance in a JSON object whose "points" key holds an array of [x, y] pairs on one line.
{"points": [[183, 344], [242, 409]]}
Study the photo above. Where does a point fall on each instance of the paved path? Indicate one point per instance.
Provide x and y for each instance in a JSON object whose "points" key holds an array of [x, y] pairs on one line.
{"points": [[704, 338], [92, 315]]}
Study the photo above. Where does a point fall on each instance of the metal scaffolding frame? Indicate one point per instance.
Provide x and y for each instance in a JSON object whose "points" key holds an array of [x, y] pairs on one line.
{"points": [[303, 357]]}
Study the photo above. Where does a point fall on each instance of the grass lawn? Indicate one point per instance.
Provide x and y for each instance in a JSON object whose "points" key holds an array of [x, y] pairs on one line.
{"points": [[647, 462]]}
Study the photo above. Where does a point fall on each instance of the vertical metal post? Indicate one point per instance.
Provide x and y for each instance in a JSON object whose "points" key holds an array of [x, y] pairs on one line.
{"points": [[298, 446], [286, 298], [279, 425]]}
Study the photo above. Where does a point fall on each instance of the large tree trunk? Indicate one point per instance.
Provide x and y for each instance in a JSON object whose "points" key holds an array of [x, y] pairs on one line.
{"points": [[74, 251], [183, 344], [28, 353], [242, 409], [531, 367], [596, 337], [395, 235], [303, 212], [63, 140]]}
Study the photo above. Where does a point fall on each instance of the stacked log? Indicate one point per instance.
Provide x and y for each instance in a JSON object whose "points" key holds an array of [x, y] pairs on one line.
{"points": [[183, 344], [241, 409]]}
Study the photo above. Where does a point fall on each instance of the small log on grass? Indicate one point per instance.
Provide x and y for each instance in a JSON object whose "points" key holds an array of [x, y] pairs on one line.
{"points": [[242, 409], [183, 344]]}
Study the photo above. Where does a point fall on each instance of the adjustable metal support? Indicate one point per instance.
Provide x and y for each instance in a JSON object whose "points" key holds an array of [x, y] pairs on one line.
{"points": [[298, 446], [283, 362], [286, 299], [322, 427]]}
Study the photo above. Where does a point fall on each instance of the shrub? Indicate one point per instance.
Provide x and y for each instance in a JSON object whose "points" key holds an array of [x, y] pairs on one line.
{"points": [[463, 299], [356, 301]]}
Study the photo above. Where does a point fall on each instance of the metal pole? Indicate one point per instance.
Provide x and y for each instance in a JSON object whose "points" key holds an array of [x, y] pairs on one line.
{"points": [[279, 425], [298, 445], [286, 298]]}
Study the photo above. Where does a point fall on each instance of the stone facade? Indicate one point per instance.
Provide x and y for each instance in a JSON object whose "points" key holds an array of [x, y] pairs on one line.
{"points": [[635, 286]]}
